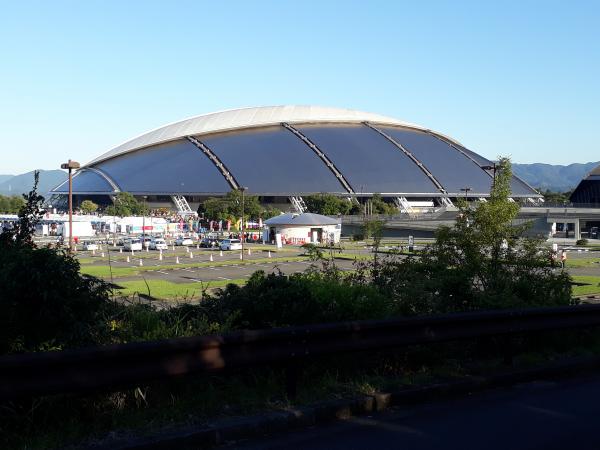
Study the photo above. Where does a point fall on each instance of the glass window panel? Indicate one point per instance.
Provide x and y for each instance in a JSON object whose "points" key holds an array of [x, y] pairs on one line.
{"points": [[453, 170], [272, 161], [369, 162], [86, 181], [174, 167]]}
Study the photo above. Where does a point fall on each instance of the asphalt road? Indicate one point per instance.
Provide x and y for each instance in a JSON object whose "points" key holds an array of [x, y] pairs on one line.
{"points": [[232, 272], [540, 415]]}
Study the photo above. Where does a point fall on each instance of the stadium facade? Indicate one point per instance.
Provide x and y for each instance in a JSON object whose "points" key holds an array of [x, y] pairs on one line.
{"points": [[282, 153]]}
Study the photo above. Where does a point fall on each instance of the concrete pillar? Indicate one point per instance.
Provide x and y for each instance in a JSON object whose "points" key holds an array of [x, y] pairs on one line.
{"points": [[577, 229]]}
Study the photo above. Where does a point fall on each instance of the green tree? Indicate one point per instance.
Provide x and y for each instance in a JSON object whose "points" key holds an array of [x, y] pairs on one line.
{"points": [[125, 204], [270, 211], [215, 209], [482, 262], [88, 207], [45, 302], [11, 205], [380, 206], [556, 197], [230, 206], [327, 204]]}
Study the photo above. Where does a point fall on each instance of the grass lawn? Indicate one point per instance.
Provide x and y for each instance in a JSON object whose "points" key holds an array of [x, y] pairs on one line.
{"points": [[166, 290], [590, 285], [583, 262], [352, 256], [103, 271]]}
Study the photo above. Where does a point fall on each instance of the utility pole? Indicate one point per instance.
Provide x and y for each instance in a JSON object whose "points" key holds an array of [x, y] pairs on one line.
{"points": [[70, 165]]}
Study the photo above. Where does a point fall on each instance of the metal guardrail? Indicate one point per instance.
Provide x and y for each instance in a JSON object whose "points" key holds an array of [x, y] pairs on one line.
{"points": [[131, 364]]}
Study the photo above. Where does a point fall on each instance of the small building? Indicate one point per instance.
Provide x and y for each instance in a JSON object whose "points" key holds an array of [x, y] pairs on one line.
{"points": [[302, 228]]}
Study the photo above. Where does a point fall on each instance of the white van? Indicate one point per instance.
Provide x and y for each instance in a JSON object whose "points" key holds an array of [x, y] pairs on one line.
{"points": [[133, 244]]}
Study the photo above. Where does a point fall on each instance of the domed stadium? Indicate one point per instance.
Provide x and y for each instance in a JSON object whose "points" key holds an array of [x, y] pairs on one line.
{"points": [[588, 189], [282, 153]]}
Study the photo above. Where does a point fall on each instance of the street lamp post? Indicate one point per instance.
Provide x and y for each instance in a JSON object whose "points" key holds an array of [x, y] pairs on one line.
{"points": [[70, 165], [466, 191], [144, 223], [243, 189], [493, 168]]}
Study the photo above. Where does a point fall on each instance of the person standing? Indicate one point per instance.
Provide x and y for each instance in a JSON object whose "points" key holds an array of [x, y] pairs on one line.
{"points": [[563, 259]]}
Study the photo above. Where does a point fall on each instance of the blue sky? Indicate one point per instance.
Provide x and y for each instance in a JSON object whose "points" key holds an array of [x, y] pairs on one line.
{"points": [[505, 78]]}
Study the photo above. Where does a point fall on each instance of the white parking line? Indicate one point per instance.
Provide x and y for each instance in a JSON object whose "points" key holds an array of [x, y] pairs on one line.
{"points": [[213, 268], [187, 270], [164, 273], [224, 278]]}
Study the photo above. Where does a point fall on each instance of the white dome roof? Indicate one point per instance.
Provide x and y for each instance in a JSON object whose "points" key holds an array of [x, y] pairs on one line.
{"points": [[247, 118]]}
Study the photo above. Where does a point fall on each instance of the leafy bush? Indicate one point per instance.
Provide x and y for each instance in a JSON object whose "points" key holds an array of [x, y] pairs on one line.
{"points": [[276, 300], [581, 242], [483, 262], [328, 204], [45, 302], [10, 205], [125, 204]]}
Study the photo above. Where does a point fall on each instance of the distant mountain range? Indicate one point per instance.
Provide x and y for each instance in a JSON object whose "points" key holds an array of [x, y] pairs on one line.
{"points": [[21, 184], [555, 178]]}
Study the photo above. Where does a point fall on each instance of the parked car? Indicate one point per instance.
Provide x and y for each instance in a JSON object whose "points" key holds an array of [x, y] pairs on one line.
{"points": [[231, 244], [158, 244], [209, 242], [182, 240], [90, 245], [147, 241], [121, 240], [132, 244]]}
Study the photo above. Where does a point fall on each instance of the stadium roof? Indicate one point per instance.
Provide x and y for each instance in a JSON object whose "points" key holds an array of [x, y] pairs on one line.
{"points": [[283, 151], [234, 119], [588, 189]]}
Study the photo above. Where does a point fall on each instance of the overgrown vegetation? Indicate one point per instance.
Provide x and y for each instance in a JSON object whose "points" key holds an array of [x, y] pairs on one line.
{"points": [[556, 197], [11, 204], [230, 207], [88, 207], [45, 302], [483, 262], [328, 204], [125, 204]]}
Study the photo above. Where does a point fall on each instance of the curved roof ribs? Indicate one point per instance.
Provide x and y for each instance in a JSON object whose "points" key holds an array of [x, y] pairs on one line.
{"points": [[216, 161], [66, 181], [458, 149], [339, 175], [103, 174], [413, 158]]}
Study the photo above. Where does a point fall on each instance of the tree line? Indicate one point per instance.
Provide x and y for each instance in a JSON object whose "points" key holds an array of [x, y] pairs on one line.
{"points": [[11, 204]]}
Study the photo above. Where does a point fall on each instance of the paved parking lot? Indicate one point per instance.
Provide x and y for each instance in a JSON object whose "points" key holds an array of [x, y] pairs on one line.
{"points": [[185, 265], [230, 272]]}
